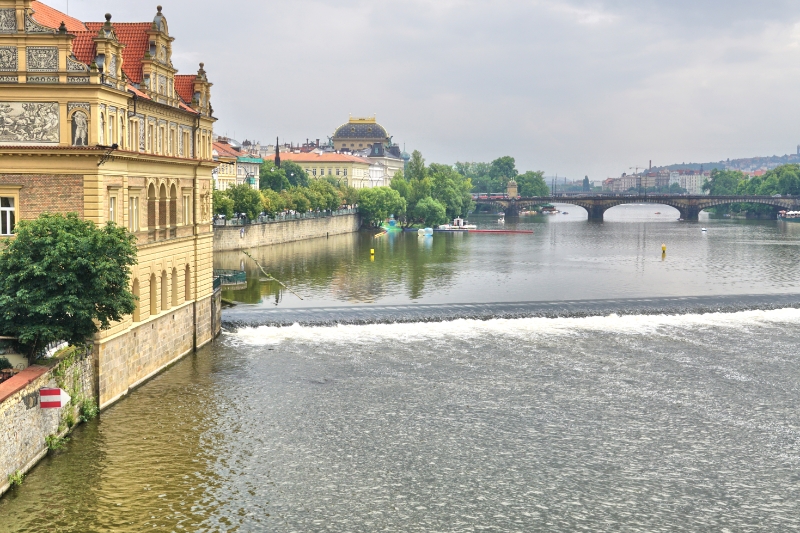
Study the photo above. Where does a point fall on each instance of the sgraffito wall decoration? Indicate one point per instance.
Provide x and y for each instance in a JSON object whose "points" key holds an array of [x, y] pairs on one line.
{"points": [[29, 122]]}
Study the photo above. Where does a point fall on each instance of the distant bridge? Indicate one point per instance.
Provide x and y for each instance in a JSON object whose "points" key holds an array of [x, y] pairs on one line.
{"points": [[688, 206]]}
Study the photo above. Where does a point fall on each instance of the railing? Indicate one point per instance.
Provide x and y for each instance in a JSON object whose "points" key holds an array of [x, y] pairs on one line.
{"points": [[229, 277], [217, 283], [265, 219]]}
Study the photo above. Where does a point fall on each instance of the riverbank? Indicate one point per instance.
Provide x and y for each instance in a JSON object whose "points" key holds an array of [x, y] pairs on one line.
{"points": [[235, 237], [25, 425]]}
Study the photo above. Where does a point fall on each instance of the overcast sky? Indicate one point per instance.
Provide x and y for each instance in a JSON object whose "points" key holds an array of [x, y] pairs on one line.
{"points": [[565, 86]]}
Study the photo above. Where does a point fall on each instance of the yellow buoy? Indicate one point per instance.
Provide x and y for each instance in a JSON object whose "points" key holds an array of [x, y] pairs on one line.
{"points": [[372, 251], [663, 247]]}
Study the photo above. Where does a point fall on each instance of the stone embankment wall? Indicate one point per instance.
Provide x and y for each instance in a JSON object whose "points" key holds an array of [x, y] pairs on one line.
{"points": [[242, 237], [24, 425]]}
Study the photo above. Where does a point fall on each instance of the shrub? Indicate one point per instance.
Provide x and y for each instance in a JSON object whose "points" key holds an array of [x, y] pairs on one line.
{"points": [[88, 409], [54, 442], [5, 363], [15, 479]]}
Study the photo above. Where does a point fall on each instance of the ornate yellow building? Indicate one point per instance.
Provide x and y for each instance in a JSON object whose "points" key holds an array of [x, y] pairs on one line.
{"points": [[95, 119]]}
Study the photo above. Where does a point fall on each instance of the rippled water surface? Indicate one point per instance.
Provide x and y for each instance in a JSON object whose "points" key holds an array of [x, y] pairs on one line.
{"points": [[617, 422], [566, 257]]}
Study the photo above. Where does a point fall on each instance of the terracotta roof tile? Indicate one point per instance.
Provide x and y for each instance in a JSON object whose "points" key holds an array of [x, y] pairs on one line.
{"points": [[184, 86], [226, 150], [187, 108], [137, 92], [134, 36], [52, 18], [327, 157], [83, 46]]}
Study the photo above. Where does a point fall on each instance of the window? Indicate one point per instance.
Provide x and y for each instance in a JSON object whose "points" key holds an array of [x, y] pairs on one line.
{"points": [[314, 172], [187, 209], [337, 171], [112, 208], [7, 215], [345, 172], [133, 213]]}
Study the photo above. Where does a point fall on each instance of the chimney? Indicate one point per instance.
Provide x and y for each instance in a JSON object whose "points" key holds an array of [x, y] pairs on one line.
{"points": [[651, 164]]}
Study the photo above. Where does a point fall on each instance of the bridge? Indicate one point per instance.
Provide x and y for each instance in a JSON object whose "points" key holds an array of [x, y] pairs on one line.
{"points": [[597, 204]]}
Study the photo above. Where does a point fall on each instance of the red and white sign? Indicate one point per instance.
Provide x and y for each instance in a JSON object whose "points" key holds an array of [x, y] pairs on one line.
{"points": [[53, 398]]}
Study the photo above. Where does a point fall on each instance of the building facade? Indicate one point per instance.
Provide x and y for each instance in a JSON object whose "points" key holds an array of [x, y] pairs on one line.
{"points": [[346, 169], [95, 119]]}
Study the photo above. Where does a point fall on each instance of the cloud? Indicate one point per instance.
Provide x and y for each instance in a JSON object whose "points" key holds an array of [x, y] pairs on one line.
{"points": [[578, 87]]}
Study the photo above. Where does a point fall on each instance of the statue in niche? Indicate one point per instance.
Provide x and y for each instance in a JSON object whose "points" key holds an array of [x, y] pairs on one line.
{"points": [[80, 129]]}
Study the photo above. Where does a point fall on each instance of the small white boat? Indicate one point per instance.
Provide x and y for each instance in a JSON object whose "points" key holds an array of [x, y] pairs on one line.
{"points": [[501, 220], [703, 229], [459, 224], [564, 213]]}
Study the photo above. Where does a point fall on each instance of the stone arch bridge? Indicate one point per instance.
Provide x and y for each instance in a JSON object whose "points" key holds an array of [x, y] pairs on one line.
{"points": [[688, 206]]}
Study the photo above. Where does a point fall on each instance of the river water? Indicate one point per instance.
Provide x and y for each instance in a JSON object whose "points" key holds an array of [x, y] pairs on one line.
{"points": [[593, 385]]}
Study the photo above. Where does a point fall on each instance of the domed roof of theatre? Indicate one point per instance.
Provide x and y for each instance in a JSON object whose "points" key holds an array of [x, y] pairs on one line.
{"points": [[361, 130]]}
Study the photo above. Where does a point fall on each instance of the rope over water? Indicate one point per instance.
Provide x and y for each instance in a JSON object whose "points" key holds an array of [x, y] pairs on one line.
{"points": [[270, 276]]}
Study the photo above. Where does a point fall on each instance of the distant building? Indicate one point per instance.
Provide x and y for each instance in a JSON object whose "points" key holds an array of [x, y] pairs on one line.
{"points": [[358, 134], [352, 170], [236, 167]]}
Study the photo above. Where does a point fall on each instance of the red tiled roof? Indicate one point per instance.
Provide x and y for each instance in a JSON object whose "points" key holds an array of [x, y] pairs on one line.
{"points": [[134, 36], [52, 18], [187, 108], [226, 150], [83, 46], [137, 92], [327, 157], [184, 86]]}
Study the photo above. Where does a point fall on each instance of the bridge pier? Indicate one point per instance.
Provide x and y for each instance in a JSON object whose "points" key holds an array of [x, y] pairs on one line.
{"points": [[595, 211], [691, 212]]}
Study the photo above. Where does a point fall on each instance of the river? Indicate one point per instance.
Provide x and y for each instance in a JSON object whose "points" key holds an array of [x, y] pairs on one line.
{"points": [[572, 379]]}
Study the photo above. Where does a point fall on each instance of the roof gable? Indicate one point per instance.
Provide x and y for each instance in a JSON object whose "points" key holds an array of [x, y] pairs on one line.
{"points": [[134, 36], [52, 18]]}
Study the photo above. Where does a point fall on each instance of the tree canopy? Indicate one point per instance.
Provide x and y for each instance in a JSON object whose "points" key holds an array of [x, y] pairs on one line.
{"points": [[532, 184], [64, 279], [376, 204]]}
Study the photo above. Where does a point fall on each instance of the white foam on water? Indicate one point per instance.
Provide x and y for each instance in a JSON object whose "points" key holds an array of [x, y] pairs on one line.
{"points": [[524, 328]]}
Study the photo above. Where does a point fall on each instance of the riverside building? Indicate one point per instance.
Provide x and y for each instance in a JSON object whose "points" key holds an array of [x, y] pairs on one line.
{"points": [[95, 119]]}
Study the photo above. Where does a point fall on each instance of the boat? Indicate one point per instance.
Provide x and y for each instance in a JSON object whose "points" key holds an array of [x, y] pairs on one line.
{"points": [[703, 229], [564, 213], [549, 209], [459, 224], [658, 212], [501, 220], [789, 216]]}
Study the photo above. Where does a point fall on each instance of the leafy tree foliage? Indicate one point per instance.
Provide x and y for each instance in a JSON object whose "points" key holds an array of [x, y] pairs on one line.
{"points": [[451, 189], [430, 212], [271, 177], [502, 170], [723, 182], [63, 278], [377, 203], [273, 202], [245, 200], [295, 174], [222, 204], [532, 184]]}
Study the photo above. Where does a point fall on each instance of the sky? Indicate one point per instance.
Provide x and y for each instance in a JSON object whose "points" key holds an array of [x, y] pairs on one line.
{"points": [[568, 87]]}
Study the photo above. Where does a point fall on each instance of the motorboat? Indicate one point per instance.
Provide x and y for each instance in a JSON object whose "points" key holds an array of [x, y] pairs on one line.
{"points": [[703, 229], [459, 224]]}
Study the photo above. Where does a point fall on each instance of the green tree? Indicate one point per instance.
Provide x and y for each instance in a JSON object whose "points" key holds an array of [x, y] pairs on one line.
{"points": [[273, 202], [63, 278], [273, 178], [502, 170], [329, 195], [723, 182], [222, 204], [532, 184], [451, 189], [479, 175], [377, 203], [430, 212], [246, 200], [295, 174], [416, 171]]}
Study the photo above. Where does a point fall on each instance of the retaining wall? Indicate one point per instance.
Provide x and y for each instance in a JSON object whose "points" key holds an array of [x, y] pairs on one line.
{"points": [[24, 425], [254, 235]]}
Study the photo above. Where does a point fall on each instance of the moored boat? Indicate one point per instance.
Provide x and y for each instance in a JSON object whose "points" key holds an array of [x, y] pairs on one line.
{"points": [[789, 216]]}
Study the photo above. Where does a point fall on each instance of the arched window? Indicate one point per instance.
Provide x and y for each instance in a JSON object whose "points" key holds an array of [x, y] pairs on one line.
{"points": [[162, 206], [173, 206], [164, 291], [151, 207], [153, 295], [174, 287], [137, 301], [187, 284]]}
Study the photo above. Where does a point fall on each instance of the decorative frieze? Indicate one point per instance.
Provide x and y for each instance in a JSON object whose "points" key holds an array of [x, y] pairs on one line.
{"points": [[29, 122], [73, 65], [42, 58], [9, 79], [8, 20], [78, 79], [42, 79], [112, 66], [8, 58], [142, 146], [79, 105], [112, 109]]}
